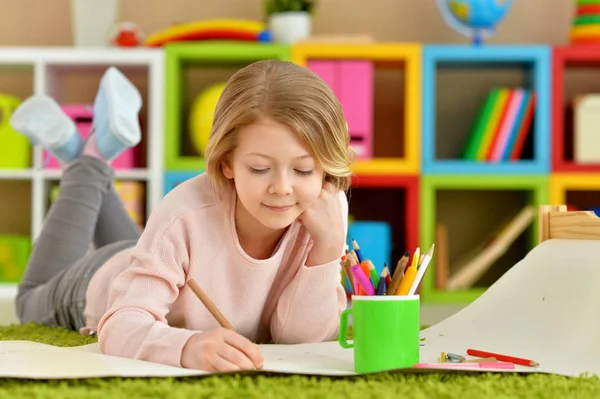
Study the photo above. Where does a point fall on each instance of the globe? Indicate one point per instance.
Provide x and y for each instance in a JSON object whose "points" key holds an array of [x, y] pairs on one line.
{"points": [[474, 18]]}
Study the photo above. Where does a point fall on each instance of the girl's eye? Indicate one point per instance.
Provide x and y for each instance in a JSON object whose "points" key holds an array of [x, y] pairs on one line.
{"points": [[304, 172], [258, 171]]}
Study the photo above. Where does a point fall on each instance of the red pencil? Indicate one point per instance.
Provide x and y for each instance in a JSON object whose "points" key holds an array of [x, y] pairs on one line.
{"points": [[503, 358]]}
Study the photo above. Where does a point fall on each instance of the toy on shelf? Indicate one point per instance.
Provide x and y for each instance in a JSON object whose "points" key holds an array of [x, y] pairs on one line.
{"points": [[132, 193], [475, 19], [502, 127], [82, 115], [201, 115], [217, 29], [586, 24], [14, 252], [127, 34], [15, 150]]}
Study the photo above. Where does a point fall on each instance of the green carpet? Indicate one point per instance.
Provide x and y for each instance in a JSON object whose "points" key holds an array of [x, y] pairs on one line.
{"points": [[265, 387]]}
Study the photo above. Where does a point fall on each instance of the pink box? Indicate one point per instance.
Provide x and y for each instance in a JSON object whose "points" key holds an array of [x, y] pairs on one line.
{"points": [[352, 83], [82, 115]]}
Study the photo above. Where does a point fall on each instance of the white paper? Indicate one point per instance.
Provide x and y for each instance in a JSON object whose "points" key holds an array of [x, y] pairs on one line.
{"points": [[544, 309]]}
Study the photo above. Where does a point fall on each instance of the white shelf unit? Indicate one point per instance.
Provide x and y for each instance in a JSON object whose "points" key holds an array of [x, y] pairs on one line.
{"points": [[50, 65]]}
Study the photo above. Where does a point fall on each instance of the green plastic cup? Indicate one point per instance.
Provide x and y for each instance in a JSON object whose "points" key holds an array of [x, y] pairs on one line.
{"points": [[385, 332]]}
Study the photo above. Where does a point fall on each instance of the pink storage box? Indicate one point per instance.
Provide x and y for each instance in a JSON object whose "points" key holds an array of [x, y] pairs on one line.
{"points": [[82, 114], [352, 83]]}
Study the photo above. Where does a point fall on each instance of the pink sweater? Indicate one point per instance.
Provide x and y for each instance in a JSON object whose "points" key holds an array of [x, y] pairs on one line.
{"points": [[143, 309]]}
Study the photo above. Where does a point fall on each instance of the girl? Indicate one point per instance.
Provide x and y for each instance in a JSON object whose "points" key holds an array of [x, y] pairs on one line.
{"points": [[262, 231]]}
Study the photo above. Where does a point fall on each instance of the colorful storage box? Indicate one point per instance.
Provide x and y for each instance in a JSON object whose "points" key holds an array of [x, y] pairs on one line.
{"points": [[83, 116]]}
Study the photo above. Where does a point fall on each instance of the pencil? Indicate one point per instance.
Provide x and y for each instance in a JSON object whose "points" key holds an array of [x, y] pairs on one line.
{"points": [[209, 305], [398, 274], [406, 283], [503, 358], [381, 286], [346, 267], [363, 280], [357, 250]]}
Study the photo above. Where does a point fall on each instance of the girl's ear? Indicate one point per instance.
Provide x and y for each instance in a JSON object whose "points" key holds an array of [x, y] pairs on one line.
{"points": [[227, 170]]}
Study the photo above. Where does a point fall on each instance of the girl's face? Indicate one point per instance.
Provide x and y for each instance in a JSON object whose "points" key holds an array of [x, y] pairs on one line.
{"points": [[275, 177]]}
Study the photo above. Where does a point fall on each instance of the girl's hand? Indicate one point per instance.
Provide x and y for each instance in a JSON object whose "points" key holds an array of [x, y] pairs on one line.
{"points": [[221, 350], [323, 221]]}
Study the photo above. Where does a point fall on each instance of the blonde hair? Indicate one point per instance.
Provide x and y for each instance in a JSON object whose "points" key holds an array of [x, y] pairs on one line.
{"points": [[289, 94]]}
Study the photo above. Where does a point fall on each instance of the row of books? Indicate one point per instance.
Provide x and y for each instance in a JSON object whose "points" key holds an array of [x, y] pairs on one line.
{"points": [[502, 126]]}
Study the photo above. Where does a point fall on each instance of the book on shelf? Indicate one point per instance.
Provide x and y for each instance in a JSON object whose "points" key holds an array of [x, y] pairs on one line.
{"points": [[470, 268], [502, 126]]}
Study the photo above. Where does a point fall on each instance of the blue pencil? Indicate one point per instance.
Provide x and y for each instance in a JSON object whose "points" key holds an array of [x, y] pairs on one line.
{"points": [[357, 250]]}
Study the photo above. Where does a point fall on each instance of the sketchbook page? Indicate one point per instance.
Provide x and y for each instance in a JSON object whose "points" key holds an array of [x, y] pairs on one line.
{"points": [[33, 360], [545, 308], [326, 358]]}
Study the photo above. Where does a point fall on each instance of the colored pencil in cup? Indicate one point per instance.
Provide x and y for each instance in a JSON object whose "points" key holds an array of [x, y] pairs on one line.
{"points": [[381, 287], [407, 281], [388, 276], [357, 250], [421, 271], [398, 274], [503, 358], [373, 273], [363, 281], [212, 308], [348, 273]]}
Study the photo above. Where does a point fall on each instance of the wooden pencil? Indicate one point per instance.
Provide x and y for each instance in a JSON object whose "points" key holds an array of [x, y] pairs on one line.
{"points": [[348, 273], [212, 308], [398, 274]]}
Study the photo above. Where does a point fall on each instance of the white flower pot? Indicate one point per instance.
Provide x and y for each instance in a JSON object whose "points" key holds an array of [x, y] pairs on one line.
{"points": [[289, 27], [93, 21]]}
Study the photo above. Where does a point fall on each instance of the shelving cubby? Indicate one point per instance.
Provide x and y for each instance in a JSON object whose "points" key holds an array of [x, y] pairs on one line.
{"points": [[574, 73], [576, 190], [448, 120], [393, 200], [378, 85], [471, 208], [71, 75], [190, 69]]}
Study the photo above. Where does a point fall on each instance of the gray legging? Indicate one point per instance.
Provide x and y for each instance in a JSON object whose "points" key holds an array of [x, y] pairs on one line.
{"points": [[52, 291]]}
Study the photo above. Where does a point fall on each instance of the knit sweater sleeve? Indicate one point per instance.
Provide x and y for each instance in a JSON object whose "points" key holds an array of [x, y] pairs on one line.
{"points": [[135, 324], [310, 306]]}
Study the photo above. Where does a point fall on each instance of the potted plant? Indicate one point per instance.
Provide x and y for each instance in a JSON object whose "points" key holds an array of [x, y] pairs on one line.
{"points": [[289, 20]]}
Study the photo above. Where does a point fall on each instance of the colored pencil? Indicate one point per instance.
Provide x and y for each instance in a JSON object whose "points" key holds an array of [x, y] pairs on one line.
{"points": [[503, 358], [407, 281], [382, 285], [357, 250], [421, 269], [373, 273], [466, 366], [346, 267], [212, 308], [398, 274], [363, 281]]}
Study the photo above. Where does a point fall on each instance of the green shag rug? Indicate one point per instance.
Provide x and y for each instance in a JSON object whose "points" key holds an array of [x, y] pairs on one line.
{"points": [[392, 385]]}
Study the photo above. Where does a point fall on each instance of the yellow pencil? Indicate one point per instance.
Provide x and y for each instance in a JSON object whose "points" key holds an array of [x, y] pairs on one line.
{"points": [[407, 281]]}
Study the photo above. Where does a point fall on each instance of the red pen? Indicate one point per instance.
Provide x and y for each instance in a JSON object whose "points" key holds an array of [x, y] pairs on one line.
{"points": [[503, 358]]}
